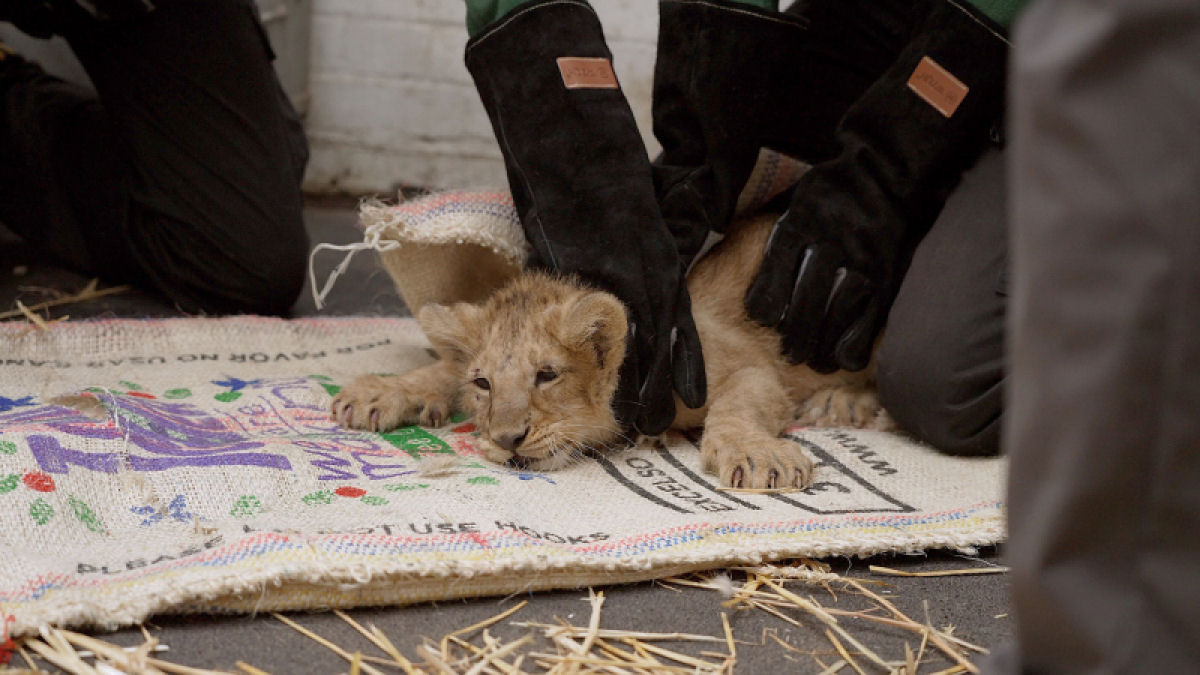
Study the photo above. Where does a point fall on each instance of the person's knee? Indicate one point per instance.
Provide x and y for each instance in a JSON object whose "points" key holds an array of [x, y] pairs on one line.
{"points": [[266, 277], [280, 279], [957, 410], [254, 266]]}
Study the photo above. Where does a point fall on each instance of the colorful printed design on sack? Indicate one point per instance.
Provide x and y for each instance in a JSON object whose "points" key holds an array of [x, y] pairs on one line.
{"points": [[235, 386], [169, 434], [251, 423], [7, 404], [323, 497], [404, 487], [177, 510], [41, 510], [246, 506]]}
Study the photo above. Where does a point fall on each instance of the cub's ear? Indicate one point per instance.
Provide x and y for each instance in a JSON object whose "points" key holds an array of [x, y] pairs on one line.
{"points": [[454, 330], [595, 321]]}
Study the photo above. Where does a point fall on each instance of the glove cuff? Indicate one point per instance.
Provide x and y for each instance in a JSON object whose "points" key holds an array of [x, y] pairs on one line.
{"points": [[576, 164], [905, 143]]}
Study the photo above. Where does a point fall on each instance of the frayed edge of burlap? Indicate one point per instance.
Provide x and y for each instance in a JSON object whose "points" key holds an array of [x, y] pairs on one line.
{"points": [[318, 585], [422, 223], [500, 234]]}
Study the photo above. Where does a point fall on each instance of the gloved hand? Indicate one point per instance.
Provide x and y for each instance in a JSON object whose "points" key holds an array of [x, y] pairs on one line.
{"points": [[826, 282], [835, 260], [722, 72], [731, 78], [640, 265], [581, 182]]}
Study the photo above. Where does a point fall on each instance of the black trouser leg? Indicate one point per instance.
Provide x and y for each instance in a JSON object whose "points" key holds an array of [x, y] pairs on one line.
{"points": [[941, 361], [1103, 432], [184, 174]]}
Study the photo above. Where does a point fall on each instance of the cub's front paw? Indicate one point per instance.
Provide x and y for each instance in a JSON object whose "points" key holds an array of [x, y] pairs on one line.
{"points": [[377, 403], [766, 463]]}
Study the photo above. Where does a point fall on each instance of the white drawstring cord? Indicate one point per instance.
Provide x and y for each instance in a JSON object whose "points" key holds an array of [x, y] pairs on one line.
{"points": [[372, 240]]}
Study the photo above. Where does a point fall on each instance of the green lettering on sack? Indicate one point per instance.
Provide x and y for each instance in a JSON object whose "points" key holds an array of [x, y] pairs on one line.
{"points": [[9, 483], [318, 498], [8, 448], [86, 515], [417, 442], [401, 487]]}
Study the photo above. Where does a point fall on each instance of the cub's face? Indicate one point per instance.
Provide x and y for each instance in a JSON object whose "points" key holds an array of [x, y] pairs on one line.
{"points": [[539, 364]]}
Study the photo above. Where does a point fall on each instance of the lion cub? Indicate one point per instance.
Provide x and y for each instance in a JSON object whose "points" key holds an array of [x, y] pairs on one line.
{"points": [[536, 366]]}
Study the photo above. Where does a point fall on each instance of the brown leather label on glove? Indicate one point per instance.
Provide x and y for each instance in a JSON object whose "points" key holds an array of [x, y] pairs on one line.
{"points": [[937, 86], [580, 72]]}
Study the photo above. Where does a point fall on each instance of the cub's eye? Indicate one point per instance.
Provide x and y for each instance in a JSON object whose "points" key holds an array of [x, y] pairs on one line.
{"points": [[545, 375], [482, 383]]}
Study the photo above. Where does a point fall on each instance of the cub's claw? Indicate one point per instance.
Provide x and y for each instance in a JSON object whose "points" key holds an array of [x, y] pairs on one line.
{"points": [[758, 463], [389, 402]]}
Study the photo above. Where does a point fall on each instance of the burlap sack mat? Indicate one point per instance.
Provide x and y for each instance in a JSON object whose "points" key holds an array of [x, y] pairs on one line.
{"points": [[190, 465]]}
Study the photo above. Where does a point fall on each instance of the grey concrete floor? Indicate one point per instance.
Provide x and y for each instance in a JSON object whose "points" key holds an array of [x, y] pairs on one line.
{"points": [[977, 606]]}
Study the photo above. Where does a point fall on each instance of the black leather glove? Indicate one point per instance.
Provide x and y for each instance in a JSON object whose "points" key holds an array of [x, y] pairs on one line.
{"points": [[835, 260], [581, 182], [731, 78], [723, 72]]}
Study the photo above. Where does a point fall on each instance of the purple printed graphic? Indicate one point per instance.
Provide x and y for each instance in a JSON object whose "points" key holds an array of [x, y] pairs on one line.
{"points": [[150, 434], [174, 435], [275, 424], [328, 454]]}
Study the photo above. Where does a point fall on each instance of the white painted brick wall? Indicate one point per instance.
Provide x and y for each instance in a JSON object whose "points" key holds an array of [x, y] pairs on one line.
{"points": [[392, 102]]}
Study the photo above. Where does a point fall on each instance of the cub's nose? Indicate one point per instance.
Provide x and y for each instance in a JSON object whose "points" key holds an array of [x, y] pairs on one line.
{"points": [[512, 441]]}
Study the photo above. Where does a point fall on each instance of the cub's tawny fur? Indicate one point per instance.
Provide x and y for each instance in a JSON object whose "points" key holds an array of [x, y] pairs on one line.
{"points": [[536, 367]]}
